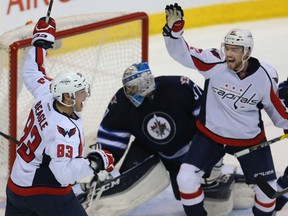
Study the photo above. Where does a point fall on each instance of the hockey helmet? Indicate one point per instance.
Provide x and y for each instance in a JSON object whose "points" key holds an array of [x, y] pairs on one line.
{"points": [[240, 37], [138, 82], [68, 82]]}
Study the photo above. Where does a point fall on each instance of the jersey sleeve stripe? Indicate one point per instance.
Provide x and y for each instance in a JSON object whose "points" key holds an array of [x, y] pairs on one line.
{"points": [[39, 58], [202, 66], [278, 104]]}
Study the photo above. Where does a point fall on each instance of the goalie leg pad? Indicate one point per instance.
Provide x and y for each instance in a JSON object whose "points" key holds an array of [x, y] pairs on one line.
{"points": [[219, 207], [219, 195], [243, 193], [132, 188], [215, 173]]}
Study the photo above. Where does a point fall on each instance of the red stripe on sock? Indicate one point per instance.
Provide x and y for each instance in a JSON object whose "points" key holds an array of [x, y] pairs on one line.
{"points": [[265, 205], [191, 195]]}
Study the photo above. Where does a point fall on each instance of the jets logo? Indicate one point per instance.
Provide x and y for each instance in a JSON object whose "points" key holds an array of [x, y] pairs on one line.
{"points": [[64, 132], [159, 128]]}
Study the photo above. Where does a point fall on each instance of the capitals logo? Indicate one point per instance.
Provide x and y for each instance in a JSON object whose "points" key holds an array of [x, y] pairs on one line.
{"points": [[70, 132], [159, 128]]}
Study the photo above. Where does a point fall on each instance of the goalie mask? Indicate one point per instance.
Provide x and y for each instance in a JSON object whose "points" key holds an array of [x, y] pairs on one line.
{"points": [[70, 83], [138, 82]]}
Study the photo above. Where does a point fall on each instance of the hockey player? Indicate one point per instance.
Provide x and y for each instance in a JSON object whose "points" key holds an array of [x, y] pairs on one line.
{"points": [[160, 113], [237, 87], [49, 154], [282, 181]]}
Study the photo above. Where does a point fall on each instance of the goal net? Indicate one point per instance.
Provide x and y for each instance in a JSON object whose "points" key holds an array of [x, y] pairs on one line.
{"points": [[100, 46]]}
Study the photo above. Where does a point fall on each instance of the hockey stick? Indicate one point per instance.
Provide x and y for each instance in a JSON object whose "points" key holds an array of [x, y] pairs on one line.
{"points": [[46, 20], [91, 194], [260, 146], [98, 184], [133, 187], [9, 137], [267, 189], [49, 11], [93, 187]]}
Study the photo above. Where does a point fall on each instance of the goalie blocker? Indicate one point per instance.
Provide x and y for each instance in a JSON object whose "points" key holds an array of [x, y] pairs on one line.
{"points": [[148, 179]]}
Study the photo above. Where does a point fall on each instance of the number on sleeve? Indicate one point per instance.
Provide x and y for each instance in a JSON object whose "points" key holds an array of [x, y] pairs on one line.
{"points": [[197, 92], [27, 147]]}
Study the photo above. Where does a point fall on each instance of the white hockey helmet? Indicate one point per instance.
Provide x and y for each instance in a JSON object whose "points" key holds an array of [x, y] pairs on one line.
{"points": [[240, 37], [138, 82], [68, 82]]}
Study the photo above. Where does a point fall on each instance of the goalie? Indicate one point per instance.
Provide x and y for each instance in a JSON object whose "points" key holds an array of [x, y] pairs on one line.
{"points": [[160, 113]]}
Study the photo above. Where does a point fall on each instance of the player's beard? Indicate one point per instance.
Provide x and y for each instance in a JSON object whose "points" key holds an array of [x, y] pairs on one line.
{"points": [[234, 65]]}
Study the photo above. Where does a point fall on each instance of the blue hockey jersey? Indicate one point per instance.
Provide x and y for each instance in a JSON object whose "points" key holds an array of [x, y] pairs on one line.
{"points": [[165, 122]]}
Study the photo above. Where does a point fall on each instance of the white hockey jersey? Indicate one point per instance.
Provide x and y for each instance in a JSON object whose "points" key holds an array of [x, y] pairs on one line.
{"points": [[49, 154], [230, 113]]}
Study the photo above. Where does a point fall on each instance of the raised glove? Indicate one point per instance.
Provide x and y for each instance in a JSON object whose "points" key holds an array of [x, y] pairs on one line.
{"points": [[44, 33], [174, 26], [101, 160]]}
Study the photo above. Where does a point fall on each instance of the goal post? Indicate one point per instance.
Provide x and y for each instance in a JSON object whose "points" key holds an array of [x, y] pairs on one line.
{"points": [[100, 46]]}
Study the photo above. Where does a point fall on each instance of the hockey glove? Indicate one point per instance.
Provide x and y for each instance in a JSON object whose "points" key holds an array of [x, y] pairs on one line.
{"points": [[283, 95], [174, 26], [44, 33], [101, 160], [283, 92]]}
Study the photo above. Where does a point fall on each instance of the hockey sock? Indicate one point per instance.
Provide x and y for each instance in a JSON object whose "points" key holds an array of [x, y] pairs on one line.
{"points": [[197, 209], [258, 212]]}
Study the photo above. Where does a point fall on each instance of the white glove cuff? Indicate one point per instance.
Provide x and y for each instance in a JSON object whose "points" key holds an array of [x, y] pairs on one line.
{"points": [[43, 36], [177, 34]]}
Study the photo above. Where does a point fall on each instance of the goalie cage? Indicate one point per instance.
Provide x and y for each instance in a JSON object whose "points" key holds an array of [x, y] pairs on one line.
{"points": [[100, 46]]}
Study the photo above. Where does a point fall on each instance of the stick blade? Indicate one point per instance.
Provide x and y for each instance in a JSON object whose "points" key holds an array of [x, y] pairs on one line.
{"points": [[265, 187]]}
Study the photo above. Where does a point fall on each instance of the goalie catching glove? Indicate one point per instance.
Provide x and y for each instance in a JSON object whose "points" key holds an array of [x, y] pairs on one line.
{"points": [[101, 160], [44, 33], [174, 26]]}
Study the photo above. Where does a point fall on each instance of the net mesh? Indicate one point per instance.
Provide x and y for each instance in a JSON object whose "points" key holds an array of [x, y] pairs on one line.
{"points": [[100, 54]]}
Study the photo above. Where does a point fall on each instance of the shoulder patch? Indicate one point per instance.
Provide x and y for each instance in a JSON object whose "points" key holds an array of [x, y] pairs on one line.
{"points": [[113, 100], [63, 131], [184, 80], [215, 53]]}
